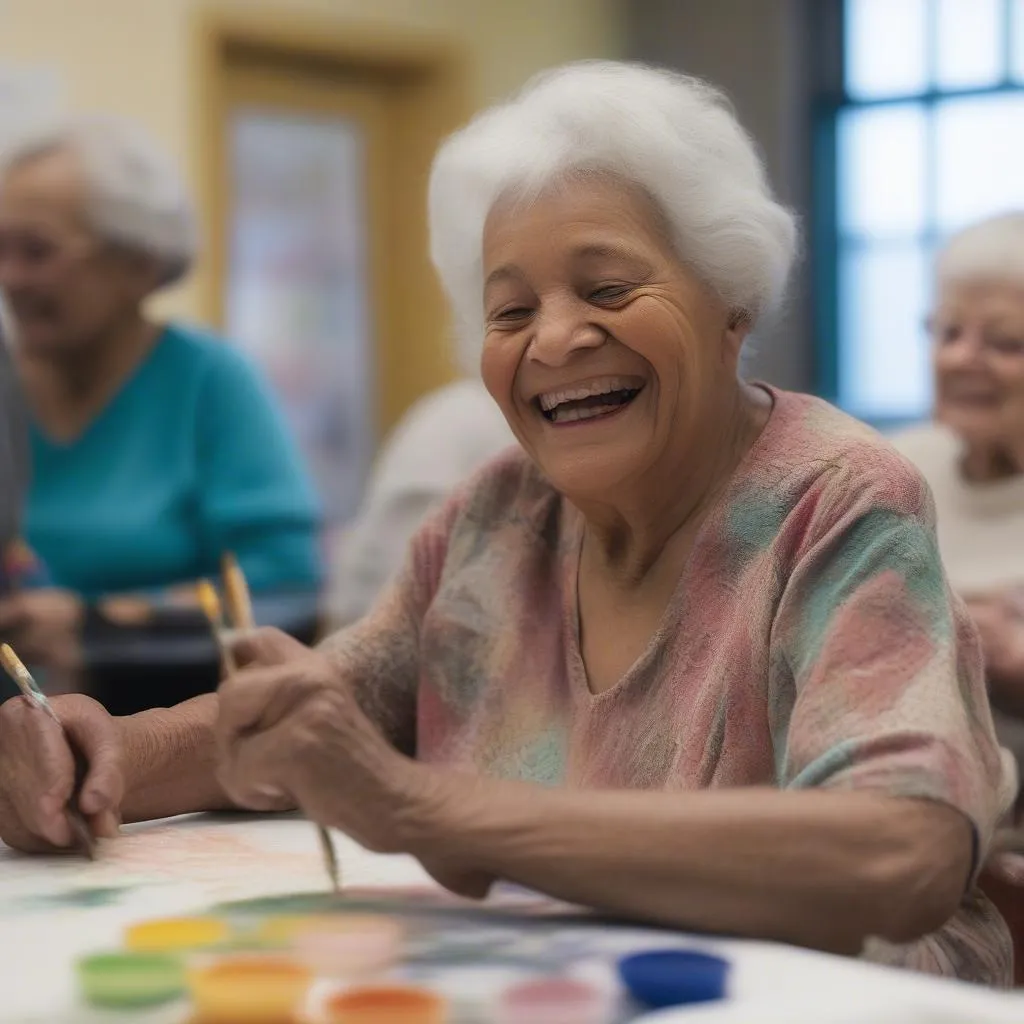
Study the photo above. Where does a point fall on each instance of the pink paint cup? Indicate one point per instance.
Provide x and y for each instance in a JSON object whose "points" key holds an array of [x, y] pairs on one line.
{"points": [[553, 1001], [349, 947]]}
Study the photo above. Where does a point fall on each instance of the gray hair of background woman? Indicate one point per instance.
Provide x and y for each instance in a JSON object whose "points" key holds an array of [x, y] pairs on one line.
{"points": [[991, 250], [135, 195], [671, 135]]}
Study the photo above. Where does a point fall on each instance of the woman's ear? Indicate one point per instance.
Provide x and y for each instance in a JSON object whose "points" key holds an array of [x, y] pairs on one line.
{"points": [[737, 328]]}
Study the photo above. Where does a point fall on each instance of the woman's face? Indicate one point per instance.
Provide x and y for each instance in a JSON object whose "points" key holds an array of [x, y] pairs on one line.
{"points": [[607, 356], [64, 287], [978, 337]]}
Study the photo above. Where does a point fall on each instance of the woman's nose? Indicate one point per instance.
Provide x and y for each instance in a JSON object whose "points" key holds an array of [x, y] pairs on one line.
{"points": [[559, 334], [965, 351]]}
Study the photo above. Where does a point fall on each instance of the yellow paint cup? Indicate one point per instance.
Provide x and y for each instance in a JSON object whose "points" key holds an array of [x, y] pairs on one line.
{"points": [[176, 934]]}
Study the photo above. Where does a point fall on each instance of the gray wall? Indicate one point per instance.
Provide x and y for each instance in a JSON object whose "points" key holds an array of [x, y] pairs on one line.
{"points": [[761, 53]]}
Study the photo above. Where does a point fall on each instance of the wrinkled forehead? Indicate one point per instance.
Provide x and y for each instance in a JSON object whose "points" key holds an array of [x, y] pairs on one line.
{"points": [[612, 213], [45, 190]]}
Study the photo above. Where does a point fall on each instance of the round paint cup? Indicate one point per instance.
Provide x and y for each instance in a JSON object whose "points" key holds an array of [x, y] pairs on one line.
{"points": [[385, 1004], [674, 977], [348, 947], [130, 980], [553, 1001], [176, 934], [249, 990]]}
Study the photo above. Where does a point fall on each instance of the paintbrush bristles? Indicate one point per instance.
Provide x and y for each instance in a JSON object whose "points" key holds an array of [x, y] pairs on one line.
{"points": [[209, 601], [236, 593]]}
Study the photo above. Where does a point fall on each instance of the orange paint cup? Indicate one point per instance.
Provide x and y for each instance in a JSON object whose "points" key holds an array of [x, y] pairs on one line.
{"points": [[249, 990], [386, 1004]]}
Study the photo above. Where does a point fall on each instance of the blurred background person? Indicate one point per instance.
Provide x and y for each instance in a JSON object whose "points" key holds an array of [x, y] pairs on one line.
{"points": [[13, 462], [155, 447], [443, 439], [972, 453]]}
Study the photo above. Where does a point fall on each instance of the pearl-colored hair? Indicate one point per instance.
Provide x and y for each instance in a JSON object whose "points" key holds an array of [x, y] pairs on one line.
{"points": [[992, 249], [135, 195], [671, 135]]}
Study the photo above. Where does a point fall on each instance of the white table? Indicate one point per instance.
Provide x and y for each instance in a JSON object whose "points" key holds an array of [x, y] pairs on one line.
{"points": [[189, 863]]}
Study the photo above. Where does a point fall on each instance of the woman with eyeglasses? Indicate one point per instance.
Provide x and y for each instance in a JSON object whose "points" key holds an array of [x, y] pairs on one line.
{"points": [[154, 447]]}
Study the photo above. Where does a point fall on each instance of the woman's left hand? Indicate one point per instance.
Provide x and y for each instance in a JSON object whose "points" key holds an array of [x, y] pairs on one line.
{"points": [[291, 732], [44, 626]]}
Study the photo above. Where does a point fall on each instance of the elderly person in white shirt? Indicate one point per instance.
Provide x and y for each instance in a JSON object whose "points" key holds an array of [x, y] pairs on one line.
{"points": [[972, 453]]}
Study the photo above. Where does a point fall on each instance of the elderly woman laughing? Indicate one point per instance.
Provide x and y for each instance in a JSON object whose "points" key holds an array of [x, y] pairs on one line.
{"points": [[688, 656]]}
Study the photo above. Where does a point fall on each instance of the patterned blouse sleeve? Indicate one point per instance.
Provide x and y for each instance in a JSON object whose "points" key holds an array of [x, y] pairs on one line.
{"points": [[878, 679]]}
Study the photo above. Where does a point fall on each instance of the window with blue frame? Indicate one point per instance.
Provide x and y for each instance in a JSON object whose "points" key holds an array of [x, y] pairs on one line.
{"points": [[925, 137]]}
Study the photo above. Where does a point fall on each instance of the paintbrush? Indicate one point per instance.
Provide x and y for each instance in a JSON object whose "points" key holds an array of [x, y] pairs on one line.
{"points": [[239, 602], [32, 693], [209, 601]]}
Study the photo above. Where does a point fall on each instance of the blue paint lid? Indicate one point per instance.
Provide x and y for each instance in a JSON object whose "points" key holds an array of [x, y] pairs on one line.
{"points": [[674, 977]]}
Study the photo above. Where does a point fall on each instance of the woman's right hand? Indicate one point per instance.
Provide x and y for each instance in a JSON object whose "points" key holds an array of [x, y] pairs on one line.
{"points": [[37, 771]]}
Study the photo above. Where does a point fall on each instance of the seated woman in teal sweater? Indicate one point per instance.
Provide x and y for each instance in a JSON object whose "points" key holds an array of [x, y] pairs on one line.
{"points": [[155, 448]]}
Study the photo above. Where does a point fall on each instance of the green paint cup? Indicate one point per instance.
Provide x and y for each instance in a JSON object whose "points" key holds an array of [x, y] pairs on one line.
{"points": [[128, 980]]}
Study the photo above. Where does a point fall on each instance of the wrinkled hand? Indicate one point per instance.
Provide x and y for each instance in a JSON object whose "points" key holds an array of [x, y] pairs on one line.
{"points": [[290, 732], [37, 771], [44, 626]]}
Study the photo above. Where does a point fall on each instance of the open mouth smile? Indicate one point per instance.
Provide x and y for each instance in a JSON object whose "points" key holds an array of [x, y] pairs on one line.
{"points": [[588, 400]]}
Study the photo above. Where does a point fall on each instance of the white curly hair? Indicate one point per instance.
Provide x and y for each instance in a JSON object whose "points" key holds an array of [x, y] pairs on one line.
{"points": [[136, 197], [672, 135]]}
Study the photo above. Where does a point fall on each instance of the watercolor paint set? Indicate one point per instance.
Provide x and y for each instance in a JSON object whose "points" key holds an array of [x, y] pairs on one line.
{"points": [[393, 958]]}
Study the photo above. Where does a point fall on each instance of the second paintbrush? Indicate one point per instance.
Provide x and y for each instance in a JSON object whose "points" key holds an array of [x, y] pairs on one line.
{"points": [[240, 617]]}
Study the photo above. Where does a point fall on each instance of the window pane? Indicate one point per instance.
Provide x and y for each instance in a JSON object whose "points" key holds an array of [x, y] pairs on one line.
{"points": [[298, 285], [885, 52], [883, 350], [979, 158], [969, 43], [1017, 36], [881, 170]]}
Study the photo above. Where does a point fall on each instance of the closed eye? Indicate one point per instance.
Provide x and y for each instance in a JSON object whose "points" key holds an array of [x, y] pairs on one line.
{"points": [[511, 315], [1008, 346], [609, 293]]}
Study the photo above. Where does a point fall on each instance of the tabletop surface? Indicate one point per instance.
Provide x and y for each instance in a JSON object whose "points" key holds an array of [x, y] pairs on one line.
{"points": [[53, 909]]}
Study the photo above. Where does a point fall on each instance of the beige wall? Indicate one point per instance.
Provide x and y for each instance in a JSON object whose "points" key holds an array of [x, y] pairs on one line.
{"points": [[134, 57], [760, 52]]}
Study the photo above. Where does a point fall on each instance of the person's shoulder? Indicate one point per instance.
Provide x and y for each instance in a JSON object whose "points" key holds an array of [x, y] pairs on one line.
{"points": [[826, 453], [202, 354], [506, 502], [931, 447], [507, 489]]}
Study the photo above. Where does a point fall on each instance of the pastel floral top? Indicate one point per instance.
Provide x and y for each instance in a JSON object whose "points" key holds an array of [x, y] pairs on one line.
{"points": [[812, 641]]}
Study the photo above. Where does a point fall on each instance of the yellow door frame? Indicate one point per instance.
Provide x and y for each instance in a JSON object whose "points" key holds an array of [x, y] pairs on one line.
{"points": [[426, 86]]}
